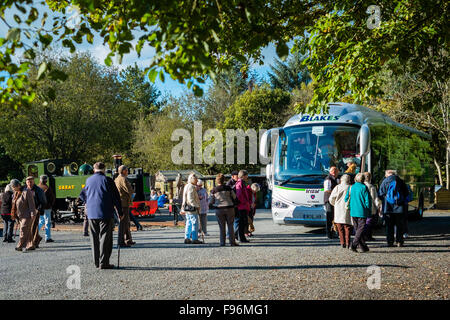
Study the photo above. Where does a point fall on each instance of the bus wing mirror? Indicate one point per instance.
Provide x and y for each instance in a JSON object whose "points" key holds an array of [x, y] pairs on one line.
{"points": [[267, 142], [264, 144], [364, 140]]}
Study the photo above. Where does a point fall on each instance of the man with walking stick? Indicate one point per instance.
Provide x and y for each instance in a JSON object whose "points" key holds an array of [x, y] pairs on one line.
{"points": [[101, 198]]}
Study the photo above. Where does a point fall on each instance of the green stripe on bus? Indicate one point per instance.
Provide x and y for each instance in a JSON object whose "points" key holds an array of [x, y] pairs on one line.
{"points": [[296, 189]]}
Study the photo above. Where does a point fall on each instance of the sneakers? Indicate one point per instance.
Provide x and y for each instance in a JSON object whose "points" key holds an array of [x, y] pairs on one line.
{"points": [[400, 244], [197, 242], [187, 241], [49, 240], [107, 266]]}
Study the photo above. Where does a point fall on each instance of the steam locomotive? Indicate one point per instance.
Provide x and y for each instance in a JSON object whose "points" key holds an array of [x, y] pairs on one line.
{"points": [[67, 179]]}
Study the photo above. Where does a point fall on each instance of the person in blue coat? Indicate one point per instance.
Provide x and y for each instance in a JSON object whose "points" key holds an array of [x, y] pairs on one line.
{"points": [[394, 214], [360, 203], [162, 200], [101, 198]]}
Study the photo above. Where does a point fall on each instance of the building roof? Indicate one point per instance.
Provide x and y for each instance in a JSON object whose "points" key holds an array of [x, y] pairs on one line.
{"points": [[171, 175]]}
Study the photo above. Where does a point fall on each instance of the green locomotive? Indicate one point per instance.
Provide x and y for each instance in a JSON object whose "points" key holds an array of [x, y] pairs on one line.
{"points": [[67, 179]]}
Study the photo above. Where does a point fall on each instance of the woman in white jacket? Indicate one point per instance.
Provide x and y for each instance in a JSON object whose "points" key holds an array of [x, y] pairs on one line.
{"points": [[342, 217], [191, 200]]}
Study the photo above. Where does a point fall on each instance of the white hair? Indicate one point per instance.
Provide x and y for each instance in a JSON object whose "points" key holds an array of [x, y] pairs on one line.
{"points": [[255, 187], [345, 179], [14, 183], [9, 188], [359, 177], [390, 173], [200, 183], [191, 178]]}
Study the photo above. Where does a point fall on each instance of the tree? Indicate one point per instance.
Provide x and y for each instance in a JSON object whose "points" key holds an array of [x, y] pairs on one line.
{"points": [[261, 108], [405, 97], [195, 39], [226, 88], [152, 145], [9, 169], [290, 75], [349, 45], [139, 91], [82, 118]]}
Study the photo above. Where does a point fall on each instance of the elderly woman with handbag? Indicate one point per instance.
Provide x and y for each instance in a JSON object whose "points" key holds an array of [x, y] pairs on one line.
{"points": [[190, 207], [360, 203], [24, 209], [342, 218]]}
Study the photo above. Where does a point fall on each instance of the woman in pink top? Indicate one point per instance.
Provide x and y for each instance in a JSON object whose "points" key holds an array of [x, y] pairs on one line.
{"points": [[244, 206]]}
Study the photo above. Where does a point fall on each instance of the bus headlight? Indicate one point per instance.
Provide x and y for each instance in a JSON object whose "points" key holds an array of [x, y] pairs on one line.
{"points": [[279, 204]]}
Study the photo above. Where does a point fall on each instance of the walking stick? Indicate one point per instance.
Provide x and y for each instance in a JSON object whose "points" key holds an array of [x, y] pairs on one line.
{"points": [[118, 242]]}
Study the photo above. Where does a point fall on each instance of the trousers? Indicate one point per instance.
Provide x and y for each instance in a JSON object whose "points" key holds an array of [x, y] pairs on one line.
{"points": [[225, 218], [46, 220], [101, 232], [191, 227], [8, 228], [358, 224], [25, 238], [394, 220], [35, 237], [345, 231], [125, 233]]}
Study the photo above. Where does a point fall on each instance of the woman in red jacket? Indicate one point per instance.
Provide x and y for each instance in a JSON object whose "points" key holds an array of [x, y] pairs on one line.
{"points": [[244, 206]]}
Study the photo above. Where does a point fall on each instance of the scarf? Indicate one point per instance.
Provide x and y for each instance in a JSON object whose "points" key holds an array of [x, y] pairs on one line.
{"points": [[17, 195]]}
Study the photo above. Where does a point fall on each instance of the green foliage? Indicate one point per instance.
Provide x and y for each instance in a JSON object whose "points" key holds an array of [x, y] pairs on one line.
{"points": [[262, 108], [195, 39], [345, 55], [289, 75], [139, 91], [82, 118], [152, 146], [9, 169]]}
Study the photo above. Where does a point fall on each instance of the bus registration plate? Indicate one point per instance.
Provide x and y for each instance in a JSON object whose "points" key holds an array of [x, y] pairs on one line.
{"points": [[311, 216]]}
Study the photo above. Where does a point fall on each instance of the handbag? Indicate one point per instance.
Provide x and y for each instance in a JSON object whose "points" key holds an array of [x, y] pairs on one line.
{"points": [[347, 203], [189, 208]]}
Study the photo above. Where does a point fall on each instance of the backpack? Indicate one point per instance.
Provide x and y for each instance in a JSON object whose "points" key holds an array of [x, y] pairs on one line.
{"points": [[393, 195]]}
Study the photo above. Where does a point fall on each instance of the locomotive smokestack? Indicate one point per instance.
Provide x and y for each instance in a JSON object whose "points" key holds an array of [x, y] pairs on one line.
{"points": [[117, 163]]}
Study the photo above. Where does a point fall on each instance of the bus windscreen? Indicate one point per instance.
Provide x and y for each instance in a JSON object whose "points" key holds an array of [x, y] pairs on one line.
{"points": [[313, 150]]}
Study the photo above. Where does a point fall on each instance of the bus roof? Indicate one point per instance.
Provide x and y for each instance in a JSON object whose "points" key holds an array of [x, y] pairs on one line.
{"points": [[341, 113]]}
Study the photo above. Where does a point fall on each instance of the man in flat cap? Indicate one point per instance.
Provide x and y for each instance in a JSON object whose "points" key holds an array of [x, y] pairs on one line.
{"points": [[126, 197], [40, 202], [101, 198]]}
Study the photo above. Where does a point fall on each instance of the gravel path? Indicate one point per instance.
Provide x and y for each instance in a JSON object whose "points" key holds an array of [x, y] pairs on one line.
{"points": [[280, 262]]}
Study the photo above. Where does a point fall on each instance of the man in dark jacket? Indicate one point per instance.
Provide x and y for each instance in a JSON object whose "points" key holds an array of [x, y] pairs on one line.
{"points": [[394, 213], [40, 201], [101, 198], [46, 219]]}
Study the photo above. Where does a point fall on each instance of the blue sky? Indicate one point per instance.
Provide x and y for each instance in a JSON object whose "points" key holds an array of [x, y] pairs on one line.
{"points": [[100, 51]]}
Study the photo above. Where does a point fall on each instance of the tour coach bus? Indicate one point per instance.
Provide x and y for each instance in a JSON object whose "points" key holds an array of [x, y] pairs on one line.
{"points": [[302, 152]]}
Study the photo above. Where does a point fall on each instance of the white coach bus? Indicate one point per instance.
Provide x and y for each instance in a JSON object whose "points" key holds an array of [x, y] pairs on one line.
{"points": [[302, 152]]}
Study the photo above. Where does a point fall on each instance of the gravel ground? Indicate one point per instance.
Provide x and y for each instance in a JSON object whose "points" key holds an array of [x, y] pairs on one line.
{"points": [[280, 262]]}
